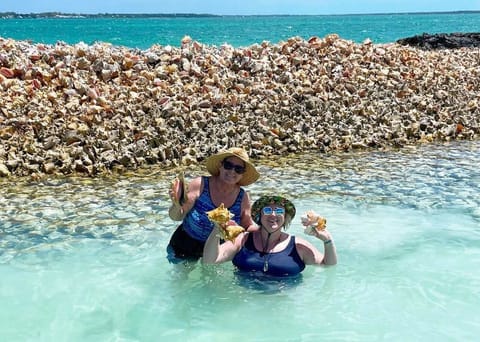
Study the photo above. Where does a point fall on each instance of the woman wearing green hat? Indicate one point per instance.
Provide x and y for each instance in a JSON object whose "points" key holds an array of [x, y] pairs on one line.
{"points": [[269, 249]]}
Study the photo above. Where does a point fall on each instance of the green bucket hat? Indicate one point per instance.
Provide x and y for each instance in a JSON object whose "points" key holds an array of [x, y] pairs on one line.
{"points": [[269, 200]]}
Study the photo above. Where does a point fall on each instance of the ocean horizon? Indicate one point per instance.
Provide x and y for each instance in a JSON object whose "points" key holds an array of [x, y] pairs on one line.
{"points": [[144, 30], [127, 14]]}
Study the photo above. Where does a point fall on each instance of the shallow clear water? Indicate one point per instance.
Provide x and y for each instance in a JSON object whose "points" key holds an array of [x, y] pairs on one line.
{"points": [[85, 260]]}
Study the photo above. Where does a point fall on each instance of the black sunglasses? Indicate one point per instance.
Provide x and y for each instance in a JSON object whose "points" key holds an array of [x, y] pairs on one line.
{"points": [[231, 166]]}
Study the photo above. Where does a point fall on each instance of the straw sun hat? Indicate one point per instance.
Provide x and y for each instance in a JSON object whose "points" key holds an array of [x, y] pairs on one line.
{"points": [[214, 162]]}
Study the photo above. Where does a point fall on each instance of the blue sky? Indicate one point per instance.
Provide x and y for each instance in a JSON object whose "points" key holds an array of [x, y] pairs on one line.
{"points": [[240, 7]]}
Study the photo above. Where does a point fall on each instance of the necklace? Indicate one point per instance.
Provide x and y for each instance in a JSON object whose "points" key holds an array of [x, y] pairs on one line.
{"points": [[266, 252]]}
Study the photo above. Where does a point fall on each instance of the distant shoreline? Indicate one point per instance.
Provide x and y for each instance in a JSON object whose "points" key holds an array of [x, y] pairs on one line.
{"points": [[59, 15], [54, 15]]}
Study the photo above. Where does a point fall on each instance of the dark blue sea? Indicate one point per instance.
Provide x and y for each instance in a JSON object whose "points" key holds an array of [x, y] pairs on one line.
{"points": [[238, 31]]}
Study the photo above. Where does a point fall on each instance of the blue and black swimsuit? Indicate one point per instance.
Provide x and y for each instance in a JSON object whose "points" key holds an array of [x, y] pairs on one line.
{"points": [[189, 238]]}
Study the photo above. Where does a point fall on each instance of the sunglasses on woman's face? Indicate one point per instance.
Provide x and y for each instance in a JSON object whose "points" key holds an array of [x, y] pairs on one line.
{"points": [[270, 211], [231, 166]]}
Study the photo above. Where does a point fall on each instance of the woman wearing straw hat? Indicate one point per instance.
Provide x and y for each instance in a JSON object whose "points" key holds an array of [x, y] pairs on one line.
{"points": [[268, 250], [230, 170]]}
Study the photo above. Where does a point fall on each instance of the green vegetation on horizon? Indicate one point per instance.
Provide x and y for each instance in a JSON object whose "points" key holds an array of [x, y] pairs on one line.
{"points": [[100, 15], [14, 15]]}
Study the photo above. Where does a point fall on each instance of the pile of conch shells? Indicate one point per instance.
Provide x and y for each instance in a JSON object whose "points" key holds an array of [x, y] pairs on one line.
{"points": [[92, 109]]}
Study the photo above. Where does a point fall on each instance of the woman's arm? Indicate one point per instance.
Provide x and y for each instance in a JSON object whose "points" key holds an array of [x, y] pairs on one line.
{"points": [[216, 253], [176, 211], [246, 216], [312, 256], [330, 256], [330, 253]]}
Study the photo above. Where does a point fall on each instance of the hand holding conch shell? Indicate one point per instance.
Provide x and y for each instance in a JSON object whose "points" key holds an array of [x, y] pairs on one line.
{"points": [[179, 190], [313, 223], [221, 217]]}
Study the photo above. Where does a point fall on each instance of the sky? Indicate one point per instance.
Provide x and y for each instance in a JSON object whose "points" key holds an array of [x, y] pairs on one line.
{"points": [[238, 7]]}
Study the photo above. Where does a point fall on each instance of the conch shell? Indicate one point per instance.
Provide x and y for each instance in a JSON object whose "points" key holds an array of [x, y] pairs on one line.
{"points": [[231, 232], [222, 216], [179, 185], [313, 222]]}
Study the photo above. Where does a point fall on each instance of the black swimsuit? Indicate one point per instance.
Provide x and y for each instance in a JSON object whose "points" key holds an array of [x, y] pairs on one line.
{"points": [[283, 263]]}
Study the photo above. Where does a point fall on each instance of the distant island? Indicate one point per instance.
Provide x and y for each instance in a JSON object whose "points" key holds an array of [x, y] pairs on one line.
{"points": [[13, 15], [53, 15]]}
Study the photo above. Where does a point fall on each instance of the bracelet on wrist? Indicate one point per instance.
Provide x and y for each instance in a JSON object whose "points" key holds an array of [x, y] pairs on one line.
{"points": [[326, 242]]}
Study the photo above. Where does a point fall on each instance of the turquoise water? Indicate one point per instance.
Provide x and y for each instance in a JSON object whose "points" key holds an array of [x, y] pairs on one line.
{"points": [[84, 260], [235, 30]]}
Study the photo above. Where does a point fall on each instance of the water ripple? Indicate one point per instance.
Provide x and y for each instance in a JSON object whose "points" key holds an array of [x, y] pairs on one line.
{"points": [[59, 212]]}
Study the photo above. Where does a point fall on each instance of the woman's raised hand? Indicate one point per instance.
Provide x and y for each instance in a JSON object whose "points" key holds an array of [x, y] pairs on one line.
{"points": [[179, 190], [315, 225]]}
